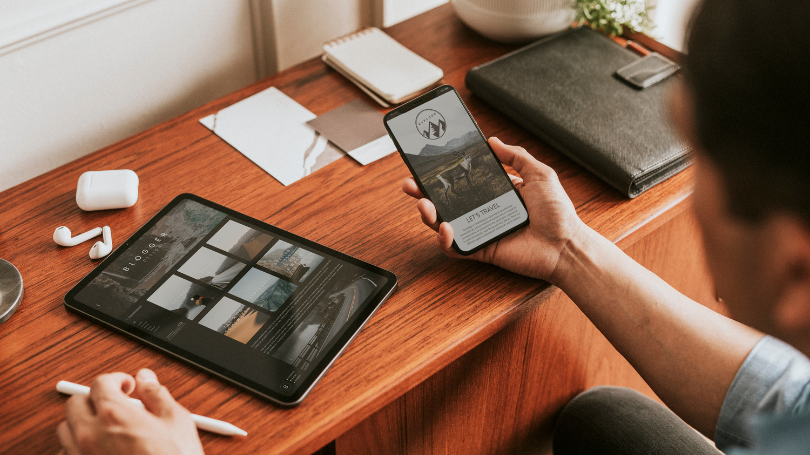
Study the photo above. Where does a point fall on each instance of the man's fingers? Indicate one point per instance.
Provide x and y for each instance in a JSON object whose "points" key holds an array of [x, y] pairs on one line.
{"points": [[518, 159], [77, 430], [428, 212], [115, 386], [517, 181], [507, 154], [79, 411], [154, 396], [66, 440], [410, 188], [109, 396], [445, 237]]}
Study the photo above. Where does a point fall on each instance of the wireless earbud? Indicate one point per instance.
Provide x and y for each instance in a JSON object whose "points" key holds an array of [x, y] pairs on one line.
{"points": [[62, 236], [103, 248]]}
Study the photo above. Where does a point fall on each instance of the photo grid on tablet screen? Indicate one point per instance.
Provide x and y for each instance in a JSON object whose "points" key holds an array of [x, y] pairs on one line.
{"points": [[289, 260], [234, 320], [197, 289], [235, 280]]}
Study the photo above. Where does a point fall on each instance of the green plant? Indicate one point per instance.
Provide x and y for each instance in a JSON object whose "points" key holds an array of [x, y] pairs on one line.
{"points": [[613, 16]]}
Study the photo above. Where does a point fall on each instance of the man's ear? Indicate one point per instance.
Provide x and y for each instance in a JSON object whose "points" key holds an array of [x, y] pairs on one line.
{"points": [[792, 311]]}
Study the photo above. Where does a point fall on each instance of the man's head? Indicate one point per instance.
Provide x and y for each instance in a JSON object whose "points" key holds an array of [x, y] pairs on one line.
{"points": [[745, 108]]}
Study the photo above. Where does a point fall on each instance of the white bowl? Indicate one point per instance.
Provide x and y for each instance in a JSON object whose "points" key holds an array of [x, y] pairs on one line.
{"points": [[514, 21]]}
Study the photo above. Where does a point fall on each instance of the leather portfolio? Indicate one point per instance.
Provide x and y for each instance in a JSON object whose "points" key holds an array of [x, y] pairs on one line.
{"points": [[565, 90]]}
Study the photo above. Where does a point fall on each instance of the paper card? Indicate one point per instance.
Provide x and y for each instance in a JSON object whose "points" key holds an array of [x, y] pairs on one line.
{"points": [[270, 129], [357, 128]]}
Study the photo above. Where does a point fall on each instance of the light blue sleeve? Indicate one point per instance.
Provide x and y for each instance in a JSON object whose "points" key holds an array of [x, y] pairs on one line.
{"points": [[773, 380]]}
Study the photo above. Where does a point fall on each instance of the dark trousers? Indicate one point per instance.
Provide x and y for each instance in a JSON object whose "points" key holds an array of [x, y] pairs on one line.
{"points": [[615, 420]]}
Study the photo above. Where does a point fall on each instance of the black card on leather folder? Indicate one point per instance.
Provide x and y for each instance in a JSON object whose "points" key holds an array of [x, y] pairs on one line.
{"points": [[565, 90]]}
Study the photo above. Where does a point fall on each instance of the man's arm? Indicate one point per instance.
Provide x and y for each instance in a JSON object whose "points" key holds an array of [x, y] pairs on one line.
{"points": [[686, 352]]}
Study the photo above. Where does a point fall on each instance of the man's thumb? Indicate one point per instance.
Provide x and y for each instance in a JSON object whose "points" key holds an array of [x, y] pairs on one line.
{"points": [[154, 396]]}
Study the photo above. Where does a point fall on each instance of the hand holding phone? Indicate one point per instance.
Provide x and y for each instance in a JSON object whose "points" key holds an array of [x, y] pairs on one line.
{"points": [[455, 168], [553, 222]]}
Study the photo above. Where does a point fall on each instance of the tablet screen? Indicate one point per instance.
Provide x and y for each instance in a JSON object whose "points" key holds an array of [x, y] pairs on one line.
{"points": [[243, 299]]}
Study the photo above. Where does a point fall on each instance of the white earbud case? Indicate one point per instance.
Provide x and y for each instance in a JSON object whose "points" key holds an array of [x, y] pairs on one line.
{"points": [[105, 190]]}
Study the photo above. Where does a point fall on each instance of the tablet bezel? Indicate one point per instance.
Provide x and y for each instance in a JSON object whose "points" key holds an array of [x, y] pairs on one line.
{"points": [[308, 381]]}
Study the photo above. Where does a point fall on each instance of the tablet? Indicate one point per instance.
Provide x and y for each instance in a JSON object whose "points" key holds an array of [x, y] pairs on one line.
{"points": [[253, 304]]}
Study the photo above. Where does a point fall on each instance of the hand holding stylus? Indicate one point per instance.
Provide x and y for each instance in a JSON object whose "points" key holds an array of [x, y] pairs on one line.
{"points": [[107, 420], [202, 422]]}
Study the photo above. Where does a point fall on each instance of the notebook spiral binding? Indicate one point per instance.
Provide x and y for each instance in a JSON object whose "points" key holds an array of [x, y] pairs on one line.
{"points": [[349, 37]]}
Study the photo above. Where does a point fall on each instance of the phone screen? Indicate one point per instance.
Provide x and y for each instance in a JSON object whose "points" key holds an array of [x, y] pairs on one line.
{"points": [[455, 168]]}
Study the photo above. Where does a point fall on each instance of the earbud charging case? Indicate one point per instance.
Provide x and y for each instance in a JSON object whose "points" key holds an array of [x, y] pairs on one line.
{"points": [[105, 190]]}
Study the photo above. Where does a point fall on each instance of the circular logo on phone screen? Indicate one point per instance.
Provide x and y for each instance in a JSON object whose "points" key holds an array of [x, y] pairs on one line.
{"points": [[430, 124]]}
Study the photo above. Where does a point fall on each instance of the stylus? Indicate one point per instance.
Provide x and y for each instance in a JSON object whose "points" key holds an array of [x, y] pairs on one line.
{"points": [[203, 423]]}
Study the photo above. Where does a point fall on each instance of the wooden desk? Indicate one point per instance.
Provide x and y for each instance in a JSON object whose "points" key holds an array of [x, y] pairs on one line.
{"points": [[464, 358]]}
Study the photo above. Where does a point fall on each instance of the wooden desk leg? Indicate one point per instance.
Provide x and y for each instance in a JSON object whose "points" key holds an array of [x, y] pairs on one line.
{"points": [[503, 396]]}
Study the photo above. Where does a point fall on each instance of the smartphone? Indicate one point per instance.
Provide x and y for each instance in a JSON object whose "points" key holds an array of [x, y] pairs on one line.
{"points": [[455, 168]]}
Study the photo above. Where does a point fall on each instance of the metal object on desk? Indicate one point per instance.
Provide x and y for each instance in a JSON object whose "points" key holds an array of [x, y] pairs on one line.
{"points": [[11, 289]]}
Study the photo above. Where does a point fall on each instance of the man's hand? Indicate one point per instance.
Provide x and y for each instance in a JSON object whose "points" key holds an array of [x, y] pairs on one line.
{"points": [[535, 250], [107, 422]]}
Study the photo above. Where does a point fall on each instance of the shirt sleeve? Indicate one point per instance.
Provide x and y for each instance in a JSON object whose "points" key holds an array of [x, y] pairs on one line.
{"points": [[773, 380]]}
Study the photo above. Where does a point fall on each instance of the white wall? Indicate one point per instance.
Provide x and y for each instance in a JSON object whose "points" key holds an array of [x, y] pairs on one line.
{"points": [[671, 18], [300, 27], [395, 11], [297, 29], [81, 88], [77, 75]]}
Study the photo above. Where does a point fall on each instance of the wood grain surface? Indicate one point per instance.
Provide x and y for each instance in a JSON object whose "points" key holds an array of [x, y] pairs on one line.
{"points": [[442, 310]]}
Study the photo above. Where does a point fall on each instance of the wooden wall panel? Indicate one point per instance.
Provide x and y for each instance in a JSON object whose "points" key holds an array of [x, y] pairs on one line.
{"points": [[502, 397]]}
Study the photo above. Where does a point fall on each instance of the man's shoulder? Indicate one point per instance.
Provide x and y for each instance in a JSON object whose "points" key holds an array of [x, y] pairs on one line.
{"points": [[773, 381]]}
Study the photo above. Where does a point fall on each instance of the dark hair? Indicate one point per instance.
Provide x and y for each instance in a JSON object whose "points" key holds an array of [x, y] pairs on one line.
{"points": [[748, 67]]}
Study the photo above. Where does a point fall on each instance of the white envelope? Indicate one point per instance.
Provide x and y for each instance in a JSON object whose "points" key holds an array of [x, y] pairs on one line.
{"points": [[270, 129]]}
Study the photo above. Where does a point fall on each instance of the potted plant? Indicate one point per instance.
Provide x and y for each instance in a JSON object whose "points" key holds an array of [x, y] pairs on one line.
{"points": [[612, 17]]}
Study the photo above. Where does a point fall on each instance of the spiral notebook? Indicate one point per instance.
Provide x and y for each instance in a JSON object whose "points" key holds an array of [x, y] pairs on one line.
{"points": [[379, 64]]}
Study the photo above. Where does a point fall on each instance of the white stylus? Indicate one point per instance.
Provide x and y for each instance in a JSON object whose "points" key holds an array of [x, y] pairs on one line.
{"points": [[203, 423]]}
